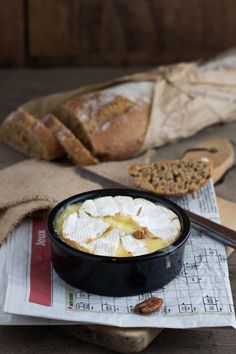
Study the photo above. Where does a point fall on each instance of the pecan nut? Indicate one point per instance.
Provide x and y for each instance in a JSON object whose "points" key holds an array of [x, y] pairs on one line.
{"points": [[149, 306], [140, 233]]}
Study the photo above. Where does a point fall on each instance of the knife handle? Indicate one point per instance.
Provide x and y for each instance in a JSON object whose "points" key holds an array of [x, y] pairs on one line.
{"points": [[218, 232]]}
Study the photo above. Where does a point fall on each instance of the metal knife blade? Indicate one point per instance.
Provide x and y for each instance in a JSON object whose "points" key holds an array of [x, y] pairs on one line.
{"points": [[95, 177], [218, 232]]}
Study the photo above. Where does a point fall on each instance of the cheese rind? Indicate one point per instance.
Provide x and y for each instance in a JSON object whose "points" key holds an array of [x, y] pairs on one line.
{"points": [[133, 246], [100, 207], [105, 246], [127, 205], [158, 220], [83, 229]]}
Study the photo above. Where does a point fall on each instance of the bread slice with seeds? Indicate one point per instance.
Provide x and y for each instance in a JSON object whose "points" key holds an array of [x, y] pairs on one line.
{"points": [[30, 136], [73, 147], [172, 177]]}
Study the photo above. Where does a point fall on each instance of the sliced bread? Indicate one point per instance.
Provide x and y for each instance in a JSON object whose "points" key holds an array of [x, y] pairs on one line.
{"points": [[30, 136], [172, 177], [73, 147], [111, 123]]}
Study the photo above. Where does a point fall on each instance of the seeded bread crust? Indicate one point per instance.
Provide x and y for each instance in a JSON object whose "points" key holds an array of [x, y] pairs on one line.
{"points": [[111, 129], [73, 147], [30, 136], [172, 177]]}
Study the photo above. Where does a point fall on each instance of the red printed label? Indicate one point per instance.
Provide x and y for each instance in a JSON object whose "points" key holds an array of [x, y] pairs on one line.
{"points": [[40, 267]]}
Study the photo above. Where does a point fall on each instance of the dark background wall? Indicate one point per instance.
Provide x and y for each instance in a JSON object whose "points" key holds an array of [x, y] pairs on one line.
{"points": [[113, 32]]}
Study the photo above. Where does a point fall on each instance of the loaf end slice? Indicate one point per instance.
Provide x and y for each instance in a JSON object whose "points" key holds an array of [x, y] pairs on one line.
{"points": [[111, 123], [73, 147], [172, 177], [30, 136]]}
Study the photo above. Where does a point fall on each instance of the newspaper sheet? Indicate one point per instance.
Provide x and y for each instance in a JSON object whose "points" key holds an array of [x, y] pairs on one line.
{"points": [[6, 254], [199, 297]]}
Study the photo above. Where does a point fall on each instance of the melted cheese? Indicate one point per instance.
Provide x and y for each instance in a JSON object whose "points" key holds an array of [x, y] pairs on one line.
{"points": [[105, 226]]}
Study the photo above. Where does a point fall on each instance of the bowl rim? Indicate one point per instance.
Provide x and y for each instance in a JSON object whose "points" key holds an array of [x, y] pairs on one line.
{"points": [[135, 193]]}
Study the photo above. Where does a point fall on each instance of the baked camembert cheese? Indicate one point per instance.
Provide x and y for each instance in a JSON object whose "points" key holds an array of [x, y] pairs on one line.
{"points": [[118, 226]]}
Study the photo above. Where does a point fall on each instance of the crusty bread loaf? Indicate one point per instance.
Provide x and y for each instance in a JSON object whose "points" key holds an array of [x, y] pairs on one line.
{"points": [[31, 137], [172, 177], [111, 123], [73, 147]]}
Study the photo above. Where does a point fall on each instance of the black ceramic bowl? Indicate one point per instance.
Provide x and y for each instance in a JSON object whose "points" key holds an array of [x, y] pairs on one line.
{"points": [[117, 276]]}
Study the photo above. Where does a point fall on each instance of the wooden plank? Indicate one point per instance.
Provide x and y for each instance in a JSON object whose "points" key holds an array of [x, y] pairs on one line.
{"points": [[219, 20], [219, 151], [94, 32], [180, 24], [112, 32], [11, 33]]}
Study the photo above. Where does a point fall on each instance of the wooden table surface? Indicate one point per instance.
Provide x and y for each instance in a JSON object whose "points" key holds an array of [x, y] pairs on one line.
{"points": [[18, 86]]}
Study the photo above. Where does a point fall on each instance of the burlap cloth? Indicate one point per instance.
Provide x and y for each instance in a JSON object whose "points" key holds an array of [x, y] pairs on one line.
{"points": [[35, 185]]}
